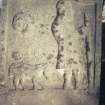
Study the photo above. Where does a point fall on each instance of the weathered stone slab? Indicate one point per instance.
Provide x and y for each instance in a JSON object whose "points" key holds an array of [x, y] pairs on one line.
{"points": [[50, 52]]}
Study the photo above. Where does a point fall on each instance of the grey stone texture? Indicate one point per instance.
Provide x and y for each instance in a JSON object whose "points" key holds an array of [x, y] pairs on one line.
{"points": [[50, 52]]}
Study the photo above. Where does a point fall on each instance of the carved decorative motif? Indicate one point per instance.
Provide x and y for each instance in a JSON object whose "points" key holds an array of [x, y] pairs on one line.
{"points": [[22, 21]]}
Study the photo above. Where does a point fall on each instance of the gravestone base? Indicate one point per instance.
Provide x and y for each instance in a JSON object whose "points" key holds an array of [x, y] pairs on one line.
{"points": [[49, 97]]}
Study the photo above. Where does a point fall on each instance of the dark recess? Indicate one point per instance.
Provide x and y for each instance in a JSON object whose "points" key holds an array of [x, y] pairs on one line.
{"points": [[102, 89]]}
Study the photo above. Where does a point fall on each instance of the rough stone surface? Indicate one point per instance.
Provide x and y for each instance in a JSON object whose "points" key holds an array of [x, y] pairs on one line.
{"points": [[50, 52]]}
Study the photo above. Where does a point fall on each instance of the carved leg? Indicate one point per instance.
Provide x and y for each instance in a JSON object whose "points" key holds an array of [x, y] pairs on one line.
{"points": [[21, 84], [18, 83], [33, 84], [37, 85], [74, 78], [12, 83]]}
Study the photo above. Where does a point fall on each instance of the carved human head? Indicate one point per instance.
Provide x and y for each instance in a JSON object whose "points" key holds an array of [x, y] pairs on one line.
{"points": [[17, 56]]}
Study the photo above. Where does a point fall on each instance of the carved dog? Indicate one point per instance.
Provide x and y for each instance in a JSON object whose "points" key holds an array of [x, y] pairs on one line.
{"points": [[19, 75]]}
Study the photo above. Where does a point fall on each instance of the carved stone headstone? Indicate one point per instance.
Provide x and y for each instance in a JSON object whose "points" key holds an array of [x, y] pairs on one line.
{"points": [[50, 52]]}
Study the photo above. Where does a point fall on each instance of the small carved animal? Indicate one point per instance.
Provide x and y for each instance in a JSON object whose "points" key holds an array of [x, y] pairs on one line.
{"points": [[19, 76]]}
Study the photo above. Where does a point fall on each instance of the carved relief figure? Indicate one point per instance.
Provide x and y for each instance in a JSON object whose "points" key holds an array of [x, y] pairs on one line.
{"points": [[84, 23], [60, 8], [74, 79], [18, 62], [20, 72]]}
